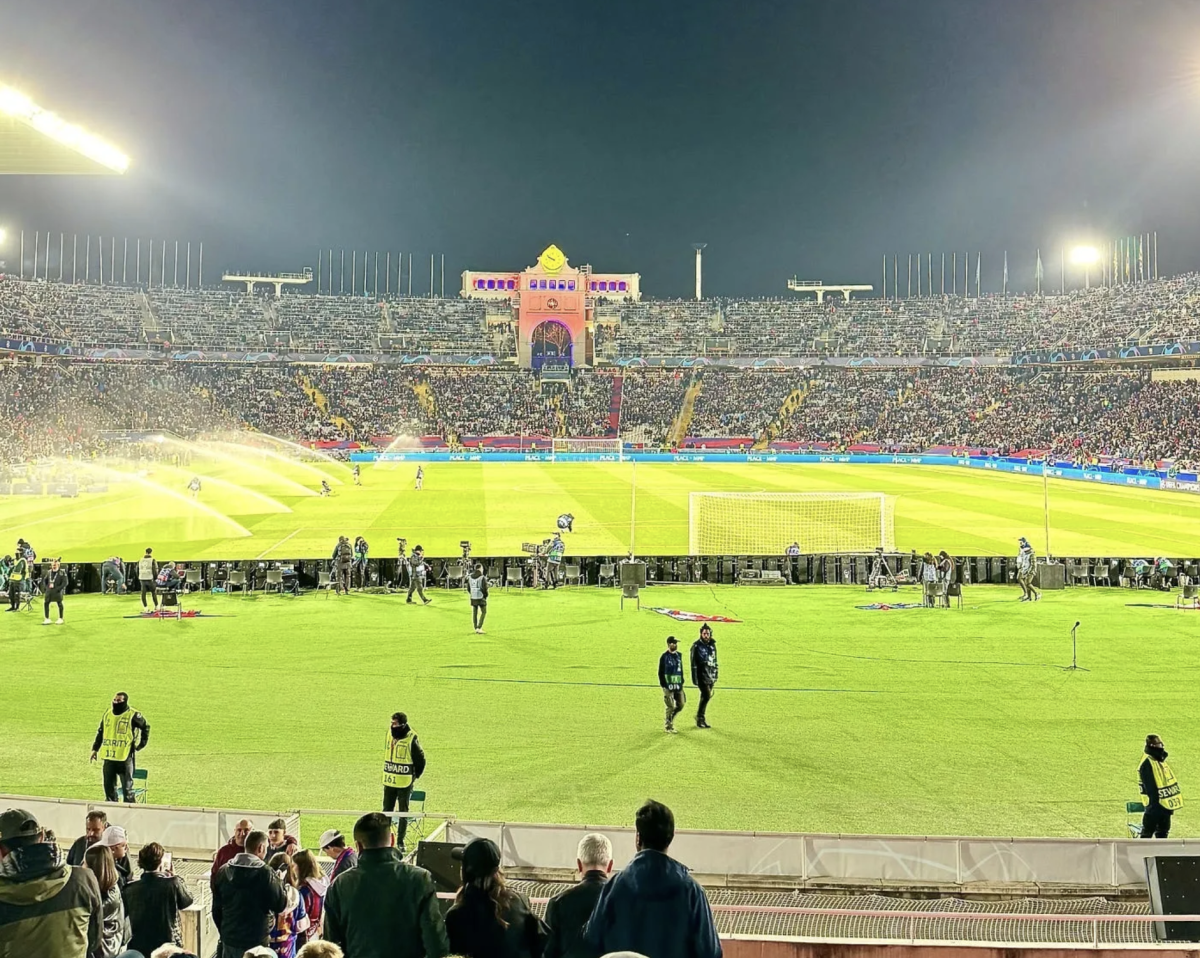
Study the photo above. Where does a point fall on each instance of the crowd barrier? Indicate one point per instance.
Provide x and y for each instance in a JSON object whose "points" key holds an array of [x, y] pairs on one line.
{"points": [[184, 829], [721, 857], [1138, 478]]}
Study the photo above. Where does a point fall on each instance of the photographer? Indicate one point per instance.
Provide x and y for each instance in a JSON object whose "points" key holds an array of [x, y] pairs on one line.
{"points": [[402, 576], [554, 555], [343, 562], [417, 571], [361, 550]]}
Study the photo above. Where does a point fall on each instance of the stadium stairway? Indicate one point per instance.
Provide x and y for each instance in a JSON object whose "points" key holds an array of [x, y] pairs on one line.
{"points": [[679, 429], [614, 408], [428, 405], [787, 409]]}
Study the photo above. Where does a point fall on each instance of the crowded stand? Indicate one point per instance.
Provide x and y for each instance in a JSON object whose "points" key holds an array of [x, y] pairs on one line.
{"points": [[1162, 311], [58, 408], [736, 402]]}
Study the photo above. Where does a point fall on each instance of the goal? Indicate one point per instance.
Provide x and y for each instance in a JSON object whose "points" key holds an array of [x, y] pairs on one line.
{"points": [[766, 523], [601, 447]]}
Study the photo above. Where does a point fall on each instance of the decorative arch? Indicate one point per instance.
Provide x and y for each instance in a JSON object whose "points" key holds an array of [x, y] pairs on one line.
{"points": [[551, 339]]}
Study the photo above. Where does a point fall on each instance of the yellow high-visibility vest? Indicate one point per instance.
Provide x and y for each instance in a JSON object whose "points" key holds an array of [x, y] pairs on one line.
{"points": [[1169, 794], [397, 761], [117, 742]]}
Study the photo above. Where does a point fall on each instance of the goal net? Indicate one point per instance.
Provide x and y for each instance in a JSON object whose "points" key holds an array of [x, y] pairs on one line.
{"points": [[606, 447], [766, 523]]}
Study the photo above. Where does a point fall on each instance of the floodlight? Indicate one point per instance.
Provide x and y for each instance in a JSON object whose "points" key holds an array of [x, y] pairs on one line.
{"points": [[3, 236], [1085, 256], [20, 107]]}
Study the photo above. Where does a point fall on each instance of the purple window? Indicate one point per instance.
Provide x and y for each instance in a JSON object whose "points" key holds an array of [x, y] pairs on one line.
{"points": [[491, 284], [480, 284], [624, 286], [512, 284], [570, 284]]}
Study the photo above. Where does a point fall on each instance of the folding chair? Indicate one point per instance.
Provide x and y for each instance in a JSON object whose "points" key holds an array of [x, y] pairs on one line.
{"points": [[192, 580], [954, 592], [237, 579], [608, 573], [512, 576], [141, 792], [572, 572], [453, 572], [274, 581], [325, 581], [1135, 827]]}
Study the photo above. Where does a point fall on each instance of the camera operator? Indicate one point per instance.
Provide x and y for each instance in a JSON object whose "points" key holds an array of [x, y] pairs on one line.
{"points": [[417, 571], [554, 555], [402, 576]]}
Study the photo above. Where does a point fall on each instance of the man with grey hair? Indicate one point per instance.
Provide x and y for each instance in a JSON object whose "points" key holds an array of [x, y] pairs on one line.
{"points": [[568, 911]]}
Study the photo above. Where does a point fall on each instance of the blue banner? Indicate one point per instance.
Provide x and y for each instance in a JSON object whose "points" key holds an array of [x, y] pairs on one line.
{"points": [[1138, 478]]}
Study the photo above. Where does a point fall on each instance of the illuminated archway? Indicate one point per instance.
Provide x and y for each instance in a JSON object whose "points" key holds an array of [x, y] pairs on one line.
{"points": [[551, 340]]}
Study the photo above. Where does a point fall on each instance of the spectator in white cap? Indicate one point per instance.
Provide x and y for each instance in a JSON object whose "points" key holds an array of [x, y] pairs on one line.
{"points": [[333, 844], [113, 838]]}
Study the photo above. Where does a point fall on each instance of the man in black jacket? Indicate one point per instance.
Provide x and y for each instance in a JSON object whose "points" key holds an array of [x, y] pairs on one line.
{"points": [[122, 733], [384, 908], [54, 587], [568, 912], [247, 896], [93, 827], [704, 671], [1159, 788]]}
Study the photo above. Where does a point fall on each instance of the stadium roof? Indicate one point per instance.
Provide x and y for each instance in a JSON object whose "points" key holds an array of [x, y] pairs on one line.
{"points": [[36, 141]]}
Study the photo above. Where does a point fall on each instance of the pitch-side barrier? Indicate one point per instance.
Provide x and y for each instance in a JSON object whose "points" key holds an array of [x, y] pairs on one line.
{"points": [[1136, 478]]}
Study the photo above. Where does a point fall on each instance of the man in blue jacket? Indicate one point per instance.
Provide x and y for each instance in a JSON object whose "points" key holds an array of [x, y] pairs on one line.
{"points": [[653, 907]]}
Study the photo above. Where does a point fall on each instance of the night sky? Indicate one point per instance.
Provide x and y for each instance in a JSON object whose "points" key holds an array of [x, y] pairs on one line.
{"points": [[793, 137]]}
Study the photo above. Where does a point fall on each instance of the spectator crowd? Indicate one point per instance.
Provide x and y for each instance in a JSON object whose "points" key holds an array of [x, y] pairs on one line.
{"points": [[271, 899]]}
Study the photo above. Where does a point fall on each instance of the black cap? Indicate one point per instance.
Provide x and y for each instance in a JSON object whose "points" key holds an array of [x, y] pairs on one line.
{"points": [[671, 640], [480, 857], [18, 823]]}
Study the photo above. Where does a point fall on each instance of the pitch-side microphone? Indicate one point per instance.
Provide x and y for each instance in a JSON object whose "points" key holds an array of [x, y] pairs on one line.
{"points": [[1077, 625]]}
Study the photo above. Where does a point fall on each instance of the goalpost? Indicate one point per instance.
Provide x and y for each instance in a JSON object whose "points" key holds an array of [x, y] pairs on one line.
{"points": [[602, 447], [766, 523]]}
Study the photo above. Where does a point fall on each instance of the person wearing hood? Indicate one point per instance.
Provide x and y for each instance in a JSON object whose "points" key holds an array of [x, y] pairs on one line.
{"points": [[653, 906], [247, 896], [122, 732], [403, 764], [488, 919], [46, 907], [1159, 788]]}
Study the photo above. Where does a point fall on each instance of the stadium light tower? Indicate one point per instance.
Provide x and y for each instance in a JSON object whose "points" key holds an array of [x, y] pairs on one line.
{"points": [[1087, 257], [699, 248]]}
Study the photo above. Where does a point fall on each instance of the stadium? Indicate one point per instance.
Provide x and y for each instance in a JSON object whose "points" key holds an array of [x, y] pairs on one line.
{"points": [[947, 541]]}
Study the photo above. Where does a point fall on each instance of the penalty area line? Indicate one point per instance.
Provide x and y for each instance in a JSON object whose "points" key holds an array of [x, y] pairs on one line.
{"points": [[647, 685], [263, 555]]}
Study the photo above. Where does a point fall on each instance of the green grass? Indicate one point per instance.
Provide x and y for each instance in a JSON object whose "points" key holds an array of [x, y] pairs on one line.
{"points": [[827, 718], [253, 507]]}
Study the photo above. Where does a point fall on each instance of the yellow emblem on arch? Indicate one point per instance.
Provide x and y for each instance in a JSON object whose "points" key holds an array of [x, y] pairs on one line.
{"points": [[552, 259]]}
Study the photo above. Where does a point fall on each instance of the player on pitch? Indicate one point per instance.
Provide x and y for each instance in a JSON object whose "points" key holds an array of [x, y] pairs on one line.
{"points": [[670, 677]]}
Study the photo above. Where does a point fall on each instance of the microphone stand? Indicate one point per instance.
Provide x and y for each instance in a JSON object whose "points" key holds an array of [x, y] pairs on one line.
{"points": [[1074, 666]]}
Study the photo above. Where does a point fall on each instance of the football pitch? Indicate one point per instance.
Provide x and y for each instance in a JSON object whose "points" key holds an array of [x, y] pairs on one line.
{"points": [[827, 717], [256, 506]]}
